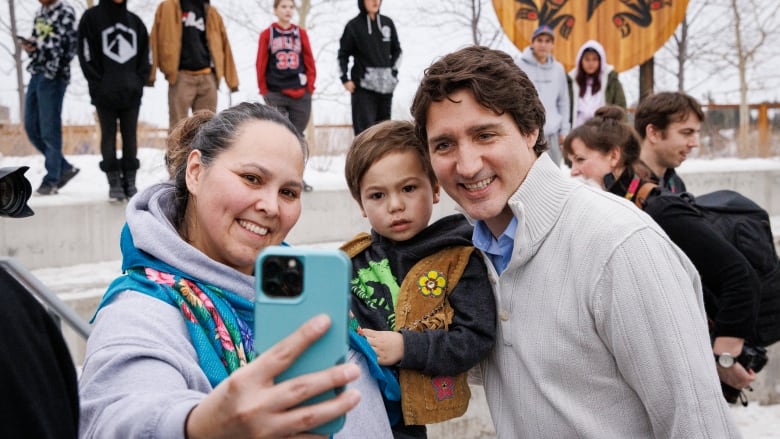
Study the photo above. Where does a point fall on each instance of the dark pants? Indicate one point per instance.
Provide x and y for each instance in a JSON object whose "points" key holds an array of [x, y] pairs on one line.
{"points": [[43, 122], [368, 108], [297, 110], [128, 121]]}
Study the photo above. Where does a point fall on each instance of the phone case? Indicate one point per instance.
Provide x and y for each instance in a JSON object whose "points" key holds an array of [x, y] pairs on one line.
{"points": [[325, 289]]}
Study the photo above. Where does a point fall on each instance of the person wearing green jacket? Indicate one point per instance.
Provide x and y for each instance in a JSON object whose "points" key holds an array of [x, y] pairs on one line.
{"points": [[593, 83]]}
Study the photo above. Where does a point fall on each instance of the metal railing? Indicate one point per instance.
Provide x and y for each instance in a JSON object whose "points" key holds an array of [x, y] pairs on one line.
{"points": [[58, 309]]}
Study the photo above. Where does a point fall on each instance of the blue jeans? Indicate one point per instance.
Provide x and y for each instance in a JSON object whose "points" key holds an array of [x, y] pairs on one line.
{"points": [[43, 122]]}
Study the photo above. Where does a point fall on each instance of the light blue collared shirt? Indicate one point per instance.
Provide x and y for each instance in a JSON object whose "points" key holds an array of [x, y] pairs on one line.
{"points": [[499, 251]]}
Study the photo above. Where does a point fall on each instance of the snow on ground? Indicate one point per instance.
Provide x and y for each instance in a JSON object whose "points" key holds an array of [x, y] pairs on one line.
{"points": [[324, 173], [755, 421], [91, 184]]}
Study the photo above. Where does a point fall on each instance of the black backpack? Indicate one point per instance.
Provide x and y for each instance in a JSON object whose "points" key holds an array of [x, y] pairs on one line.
{"points": [[746, 226]]}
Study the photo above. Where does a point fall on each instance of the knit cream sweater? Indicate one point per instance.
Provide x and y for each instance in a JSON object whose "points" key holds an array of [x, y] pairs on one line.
{"points": [[602, 331]]}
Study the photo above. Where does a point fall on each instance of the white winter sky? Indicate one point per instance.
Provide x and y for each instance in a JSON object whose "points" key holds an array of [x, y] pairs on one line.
{"points": [[422, 42]]}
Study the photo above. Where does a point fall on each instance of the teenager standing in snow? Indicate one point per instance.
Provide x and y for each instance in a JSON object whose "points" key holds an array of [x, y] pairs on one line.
{"points": [[593, 83], [285, 67], [371, 40], [114, 56]]}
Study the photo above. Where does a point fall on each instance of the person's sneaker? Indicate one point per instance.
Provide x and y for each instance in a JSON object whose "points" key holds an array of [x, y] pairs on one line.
{"points": [[307, 187], [47, 189], [67, 176]]}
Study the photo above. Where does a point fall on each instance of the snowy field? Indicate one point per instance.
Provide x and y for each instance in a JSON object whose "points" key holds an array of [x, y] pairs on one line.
{"points": [[755, 421]]}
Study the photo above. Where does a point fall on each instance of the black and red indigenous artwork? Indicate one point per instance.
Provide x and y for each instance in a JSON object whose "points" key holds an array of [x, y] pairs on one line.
{"points": [[637, 12], [630, 30]]}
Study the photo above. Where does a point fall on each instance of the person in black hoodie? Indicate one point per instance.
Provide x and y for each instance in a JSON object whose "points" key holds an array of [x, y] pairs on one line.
{"points": [[372, 42], [114, 56]]}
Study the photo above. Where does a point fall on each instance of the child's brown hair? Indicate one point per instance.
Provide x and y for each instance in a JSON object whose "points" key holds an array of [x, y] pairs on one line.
{"points": [[377, 141]]}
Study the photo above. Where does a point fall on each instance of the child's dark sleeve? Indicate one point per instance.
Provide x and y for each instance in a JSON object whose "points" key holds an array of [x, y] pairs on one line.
{"points": [[470, 336]]}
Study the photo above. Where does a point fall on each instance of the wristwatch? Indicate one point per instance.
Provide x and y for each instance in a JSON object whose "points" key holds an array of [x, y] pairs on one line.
{"points": [[725, 360]]}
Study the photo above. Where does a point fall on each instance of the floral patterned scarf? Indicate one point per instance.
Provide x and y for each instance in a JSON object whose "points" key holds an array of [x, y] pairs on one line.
{"points": [[220, 323]]}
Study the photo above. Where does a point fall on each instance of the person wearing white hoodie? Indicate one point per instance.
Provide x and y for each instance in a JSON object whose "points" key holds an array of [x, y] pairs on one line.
{"points": [[593, 83], [549, 78]]}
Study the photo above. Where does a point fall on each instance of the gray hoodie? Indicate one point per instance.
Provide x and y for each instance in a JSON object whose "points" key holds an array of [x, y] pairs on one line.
{"points": [[141, 375], [550, 81]]}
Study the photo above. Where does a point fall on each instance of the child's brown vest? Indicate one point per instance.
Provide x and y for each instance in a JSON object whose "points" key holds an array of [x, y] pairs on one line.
{"points": [[422, 304]]}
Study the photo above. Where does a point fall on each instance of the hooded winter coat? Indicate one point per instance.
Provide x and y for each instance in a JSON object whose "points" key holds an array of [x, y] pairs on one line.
{"points": [[113, 50], [375, 49], [610, 93]]}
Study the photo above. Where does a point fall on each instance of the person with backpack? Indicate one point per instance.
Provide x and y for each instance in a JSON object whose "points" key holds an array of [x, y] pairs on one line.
{"points": [[606, 150], [668, 123]]}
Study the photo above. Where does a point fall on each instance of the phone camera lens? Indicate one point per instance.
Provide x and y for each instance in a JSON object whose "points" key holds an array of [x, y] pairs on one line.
{"points": [[272, 267], [272, 287], [292, 280], [282, 276]]}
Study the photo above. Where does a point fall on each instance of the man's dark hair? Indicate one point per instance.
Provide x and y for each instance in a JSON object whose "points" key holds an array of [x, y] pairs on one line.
{"points": [[664, 108], [496, 81]]}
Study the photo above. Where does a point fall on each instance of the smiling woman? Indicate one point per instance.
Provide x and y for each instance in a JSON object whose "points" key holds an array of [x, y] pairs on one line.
{"points": [[247, 196], [171, 350]]}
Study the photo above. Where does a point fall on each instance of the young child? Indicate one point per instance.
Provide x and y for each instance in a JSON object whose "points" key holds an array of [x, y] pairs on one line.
{"points": [[285, 67], [420, 292]]}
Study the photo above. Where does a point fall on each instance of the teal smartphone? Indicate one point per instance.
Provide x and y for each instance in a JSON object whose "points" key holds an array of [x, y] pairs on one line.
{"points": [[292, 285]]}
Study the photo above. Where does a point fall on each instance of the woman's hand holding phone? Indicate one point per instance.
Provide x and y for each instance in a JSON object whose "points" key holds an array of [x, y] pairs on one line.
{"points": [[249, 404]]}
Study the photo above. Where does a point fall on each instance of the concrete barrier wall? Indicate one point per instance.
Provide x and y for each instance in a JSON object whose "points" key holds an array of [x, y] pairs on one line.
{"points": [[63, 235], [762, 185]]}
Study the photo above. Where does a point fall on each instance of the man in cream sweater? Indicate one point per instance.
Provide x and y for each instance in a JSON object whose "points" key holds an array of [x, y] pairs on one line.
{"points": [[601, 329]]}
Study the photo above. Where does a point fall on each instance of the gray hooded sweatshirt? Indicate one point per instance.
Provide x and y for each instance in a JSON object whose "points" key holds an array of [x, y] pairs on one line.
{"points": [[550, 82], [141, 375]]}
